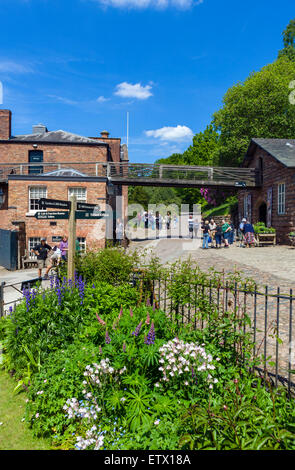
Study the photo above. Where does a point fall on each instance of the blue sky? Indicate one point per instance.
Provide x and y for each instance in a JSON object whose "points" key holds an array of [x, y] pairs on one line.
{"points": [[80, 65]]}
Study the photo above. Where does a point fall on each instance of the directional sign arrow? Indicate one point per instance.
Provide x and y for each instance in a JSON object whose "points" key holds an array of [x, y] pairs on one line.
{"points": [[54, 203], [51, 215], [83, 206], [91, 215]]}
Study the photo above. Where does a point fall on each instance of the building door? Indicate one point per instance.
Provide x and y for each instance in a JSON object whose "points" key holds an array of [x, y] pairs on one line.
{"points": [[263, 212], [8, 249], [35, 156]]}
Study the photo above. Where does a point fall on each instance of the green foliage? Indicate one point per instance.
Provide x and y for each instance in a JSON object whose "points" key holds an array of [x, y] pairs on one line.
{"points": [[261, 228], [258, 107], [106, 350], [110, 265], [289, 42], [59, 379]]}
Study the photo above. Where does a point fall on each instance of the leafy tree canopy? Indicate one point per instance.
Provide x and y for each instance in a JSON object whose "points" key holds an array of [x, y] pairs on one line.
{"points": [[289, 42], [259, 107]]}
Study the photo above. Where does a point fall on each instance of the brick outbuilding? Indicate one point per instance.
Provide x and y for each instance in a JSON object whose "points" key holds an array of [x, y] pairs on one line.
{"points": [[55, 164], [273, 201]]}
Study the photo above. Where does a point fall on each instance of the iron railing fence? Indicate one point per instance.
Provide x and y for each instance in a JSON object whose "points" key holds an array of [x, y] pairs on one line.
{"points": [[264, 314]]}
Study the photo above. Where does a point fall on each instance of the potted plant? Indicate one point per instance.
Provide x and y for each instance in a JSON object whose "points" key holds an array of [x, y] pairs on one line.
{"points": [[261, 228]]}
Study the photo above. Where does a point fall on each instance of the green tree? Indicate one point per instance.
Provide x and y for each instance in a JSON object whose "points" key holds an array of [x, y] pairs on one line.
{"points": [[204, 150], [289, 42], [259, 107]]}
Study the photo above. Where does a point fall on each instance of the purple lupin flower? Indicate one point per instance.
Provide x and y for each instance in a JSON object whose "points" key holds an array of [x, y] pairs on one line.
{"points": [[131, 312], [137, 329], [124, 347], [107, 338], [148, 303], [150, 338], [100, 350]]}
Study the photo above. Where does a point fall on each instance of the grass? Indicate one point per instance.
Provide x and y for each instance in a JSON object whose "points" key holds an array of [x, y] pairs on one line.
{"points": [[224, 209], [14, 433]]}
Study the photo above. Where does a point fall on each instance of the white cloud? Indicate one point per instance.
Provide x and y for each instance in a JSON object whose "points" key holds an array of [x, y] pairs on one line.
{"points": [[142, 4], [102, 99], [63, 100], [7, 66], [177, 133], [127, 90]]}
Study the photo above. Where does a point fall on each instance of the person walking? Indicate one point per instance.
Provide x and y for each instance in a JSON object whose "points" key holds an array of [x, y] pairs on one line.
{"points": [[119, 231], [226, 233], [191, 226], [212, 227], [196, 228], [218, 236], [241, 233], [206, 234], [231, 233], [42, 250], [249, 234], [64, 247]]}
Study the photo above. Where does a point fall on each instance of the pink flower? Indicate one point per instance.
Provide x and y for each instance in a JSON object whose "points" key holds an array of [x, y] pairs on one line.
{"points": [[131, 312], [100, 320]]}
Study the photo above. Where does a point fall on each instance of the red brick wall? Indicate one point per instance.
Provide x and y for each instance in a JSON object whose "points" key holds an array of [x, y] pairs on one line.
{"points": [[93, 231], [274, 173], [54, 153], [5, 124]]}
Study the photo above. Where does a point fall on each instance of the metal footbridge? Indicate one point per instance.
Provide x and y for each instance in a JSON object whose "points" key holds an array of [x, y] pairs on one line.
{"points": [[135, 174]]}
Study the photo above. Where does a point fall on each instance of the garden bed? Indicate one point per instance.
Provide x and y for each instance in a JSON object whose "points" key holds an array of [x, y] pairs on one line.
{"points": [[103, 367]]}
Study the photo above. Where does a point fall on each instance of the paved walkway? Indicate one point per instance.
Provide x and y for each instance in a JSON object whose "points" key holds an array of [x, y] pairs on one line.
{"points": [[12, 294]]}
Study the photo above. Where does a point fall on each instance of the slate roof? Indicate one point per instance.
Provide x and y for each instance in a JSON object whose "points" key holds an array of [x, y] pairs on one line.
{"points": [[282, 150], [56, 137]]}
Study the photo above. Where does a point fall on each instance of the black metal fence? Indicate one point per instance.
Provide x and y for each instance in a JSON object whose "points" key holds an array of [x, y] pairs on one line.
{"points": [[266, 315]]}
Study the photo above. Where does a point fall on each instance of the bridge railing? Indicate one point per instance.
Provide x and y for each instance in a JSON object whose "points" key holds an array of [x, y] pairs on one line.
{"points": [[136, 172]]}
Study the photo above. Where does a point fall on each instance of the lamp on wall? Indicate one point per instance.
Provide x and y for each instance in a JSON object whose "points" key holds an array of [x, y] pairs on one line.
{"points": [[35, 146]]}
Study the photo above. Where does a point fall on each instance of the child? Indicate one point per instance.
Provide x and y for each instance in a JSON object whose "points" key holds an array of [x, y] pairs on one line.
{"points": [[56, 255]]}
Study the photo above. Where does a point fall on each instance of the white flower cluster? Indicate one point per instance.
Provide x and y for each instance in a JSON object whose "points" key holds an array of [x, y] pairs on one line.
{"points": [[76, 409], [185, 359], [98, 371], [92, 437]]}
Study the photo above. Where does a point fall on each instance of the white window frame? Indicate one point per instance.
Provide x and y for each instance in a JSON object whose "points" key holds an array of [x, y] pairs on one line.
{"points": [[74, 191], [44, 194], [281, 199], [31, 245], [82, 244]]}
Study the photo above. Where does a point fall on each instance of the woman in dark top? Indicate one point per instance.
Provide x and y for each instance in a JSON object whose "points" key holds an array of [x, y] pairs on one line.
{"points": [[249, 234], [205, 229], [218, 236]]}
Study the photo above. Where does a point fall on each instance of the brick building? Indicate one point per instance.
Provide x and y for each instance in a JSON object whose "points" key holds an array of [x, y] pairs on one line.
{"points": [[273, 200], [55, 165]]}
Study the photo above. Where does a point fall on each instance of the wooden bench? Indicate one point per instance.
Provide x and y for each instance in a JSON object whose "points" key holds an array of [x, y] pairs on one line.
{"points": [[266, 238], [29, 262]]}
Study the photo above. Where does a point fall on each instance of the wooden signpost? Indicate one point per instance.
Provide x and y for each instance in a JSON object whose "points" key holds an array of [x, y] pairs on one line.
{"points": [[75, 210]]}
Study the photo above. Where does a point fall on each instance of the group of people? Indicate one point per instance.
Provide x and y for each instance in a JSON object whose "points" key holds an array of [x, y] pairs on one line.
{"points": [[59, 253], [224, 233], [156, 221]]}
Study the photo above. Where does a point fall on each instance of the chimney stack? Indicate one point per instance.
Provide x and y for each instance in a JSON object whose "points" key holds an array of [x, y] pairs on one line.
{"points": [[105, 134], [5, 124]]}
